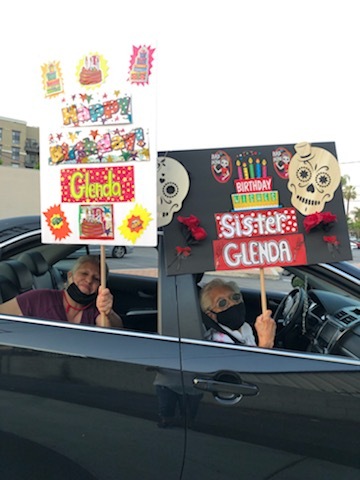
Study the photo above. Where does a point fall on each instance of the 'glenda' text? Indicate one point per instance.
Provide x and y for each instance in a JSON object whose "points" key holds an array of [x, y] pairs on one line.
{"points": [[97, 185], [259, 252]]}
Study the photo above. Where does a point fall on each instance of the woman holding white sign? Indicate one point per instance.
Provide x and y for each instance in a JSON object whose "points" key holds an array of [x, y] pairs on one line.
{"points": [[84, 301]]}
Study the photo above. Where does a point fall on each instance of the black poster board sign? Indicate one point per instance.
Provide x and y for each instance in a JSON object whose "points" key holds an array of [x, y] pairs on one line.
{"points": [[251, 207]]}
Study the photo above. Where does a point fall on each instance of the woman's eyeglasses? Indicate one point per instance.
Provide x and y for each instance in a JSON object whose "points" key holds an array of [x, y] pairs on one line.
{"points": [[235, 297]]}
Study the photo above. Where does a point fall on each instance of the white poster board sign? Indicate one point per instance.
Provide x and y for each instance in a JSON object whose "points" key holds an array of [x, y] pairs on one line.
{"points": [[98, 152]]}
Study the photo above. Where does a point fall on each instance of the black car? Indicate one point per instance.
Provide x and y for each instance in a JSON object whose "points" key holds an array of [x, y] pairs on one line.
{"points": [[82, 402]]}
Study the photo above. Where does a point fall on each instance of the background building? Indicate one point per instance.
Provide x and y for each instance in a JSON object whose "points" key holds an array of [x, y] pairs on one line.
{"points": [[19, 144], [20, 186], [19, 192]]}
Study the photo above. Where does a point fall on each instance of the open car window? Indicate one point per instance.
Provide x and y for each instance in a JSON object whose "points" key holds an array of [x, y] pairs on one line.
{"points": [[316, 308]]}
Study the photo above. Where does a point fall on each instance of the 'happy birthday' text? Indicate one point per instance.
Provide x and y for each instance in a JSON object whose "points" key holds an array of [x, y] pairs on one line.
{"points": [[97, 112]]}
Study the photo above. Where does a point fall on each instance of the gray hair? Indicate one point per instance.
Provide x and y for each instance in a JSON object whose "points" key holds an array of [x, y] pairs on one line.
{"points": [[205, 303], [93, 259]]}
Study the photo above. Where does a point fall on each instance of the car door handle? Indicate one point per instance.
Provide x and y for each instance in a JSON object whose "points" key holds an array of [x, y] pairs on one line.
{"points": [[217, 386]]}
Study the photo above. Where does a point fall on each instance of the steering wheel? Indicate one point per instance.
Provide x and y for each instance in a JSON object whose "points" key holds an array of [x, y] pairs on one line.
{"points": [[289, 312]]}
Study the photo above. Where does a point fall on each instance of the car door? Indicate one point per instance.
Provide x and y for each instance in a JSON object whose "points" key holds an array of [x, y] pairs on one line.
{"points": [[80, 403], [271, 414]]}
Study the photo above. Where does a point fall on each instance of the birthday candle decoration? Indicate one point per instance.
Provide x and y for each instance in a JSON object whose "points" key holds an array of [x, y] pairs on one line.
{"points": [[264, 168], [258, 168], [240, 173], [251, 168], [246, 171]]}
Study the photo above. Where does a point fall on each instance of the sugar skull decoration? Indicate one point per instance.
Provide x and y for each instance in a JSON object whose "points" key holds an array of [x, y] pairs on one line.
{"points": [[172, 187], [314, 175]]}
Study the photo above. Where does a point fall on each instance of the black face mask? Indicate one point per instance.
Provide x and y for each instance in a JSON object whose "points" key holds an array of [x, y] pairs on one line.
{"points": [[233, 317], [78, 296]]}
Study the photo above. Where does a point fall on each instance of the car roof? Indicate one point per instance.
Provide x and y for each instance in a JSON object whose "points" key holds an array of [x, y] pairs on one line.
{"points": [[18, 234], [347, 267], [15, 226]]}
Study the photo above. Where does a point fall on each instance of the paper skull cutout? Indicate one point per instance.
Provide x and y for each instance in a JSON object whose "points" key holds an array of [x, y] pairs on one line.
{"points": [[314, 175], [172, 187]]}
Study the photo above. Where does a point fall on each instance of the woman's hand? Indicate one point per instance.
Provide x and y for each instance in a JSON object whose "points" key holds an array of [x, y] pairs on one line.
{"points": [[265, 328], [104, 300], [104, 303]]}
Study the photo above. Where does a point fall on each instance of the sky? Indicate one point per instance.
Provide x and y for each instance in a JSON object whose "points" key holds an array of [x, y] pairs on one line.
{"points": [[230, 73]]}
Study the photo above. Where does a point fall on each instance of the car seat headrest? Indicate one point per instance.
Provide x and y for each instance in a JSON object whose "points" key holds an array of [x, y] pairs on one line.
{"points": [[18, 274], [35, 262]]}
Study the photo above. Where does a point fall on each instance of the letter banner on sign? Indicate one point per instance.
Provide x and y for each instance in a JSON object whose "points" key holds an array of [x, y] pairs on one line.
{"points": [[278, 251]]}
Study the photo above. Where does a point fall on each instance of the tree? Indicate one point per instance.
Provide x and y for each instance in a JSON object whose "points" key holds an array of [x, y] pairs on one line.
{"points": [[344, 180], [356, 213], [349, 192]]}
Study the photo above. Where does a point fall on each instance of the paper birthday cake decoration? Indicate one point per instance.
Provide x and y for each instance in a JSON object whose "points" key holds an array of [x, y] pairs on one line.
{"points": [[254, 186], [93, 224], [91, 73]]}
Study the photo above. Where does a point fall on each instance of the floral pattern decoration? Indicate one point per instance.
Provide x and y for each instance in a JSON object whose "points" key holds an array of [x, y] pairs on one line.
{"points": [[193, 234], [324, 221]]}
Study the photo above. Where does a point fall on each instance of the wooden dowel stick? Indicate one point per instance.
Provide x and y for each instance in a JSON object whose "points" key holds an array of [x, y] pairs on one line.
{"points": [[103, 279], [263, 291]]}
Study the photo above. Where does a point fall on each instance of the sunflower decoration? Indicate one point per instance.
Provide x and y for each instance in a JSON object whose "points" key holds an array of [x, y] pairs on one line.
{"points": [[135, 223]]}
